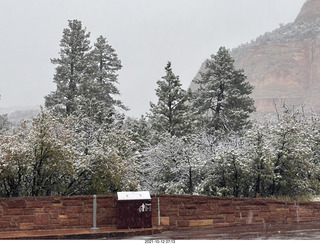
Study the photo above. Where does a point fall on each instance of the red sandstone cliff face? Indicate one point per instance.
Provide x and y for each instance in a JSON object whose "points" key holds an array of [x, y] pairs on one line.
{"points": [[289, 71], [284, 64], [310, 11]]}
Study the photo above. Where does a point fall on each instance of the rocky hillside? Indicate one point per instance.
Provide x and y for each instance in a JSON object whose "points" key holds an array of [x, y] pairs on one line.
{"points": [[285, 64]]}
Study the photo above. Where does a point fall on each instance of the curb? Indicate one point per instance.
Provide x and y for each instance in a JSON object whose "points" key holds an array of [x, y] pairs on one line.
{"points": [[77, 234]]}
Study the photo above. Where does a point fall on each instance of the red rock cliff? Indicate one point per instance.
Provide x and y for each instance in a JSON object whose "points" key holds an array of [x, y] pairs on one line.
{"points": [[285, 64]]}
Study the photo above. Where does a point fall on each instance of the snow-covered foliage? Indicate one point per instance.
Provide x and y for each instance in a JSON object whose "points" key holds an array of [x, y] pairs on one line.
{"points": [[51, 156], [173, 166], [291, 32], [37, 159], [270, 159]]}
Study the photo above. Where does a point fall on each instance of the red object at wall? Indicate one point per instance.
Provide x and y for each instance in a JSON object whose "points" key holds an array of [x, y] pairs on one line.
{"points": [[134, 210]]}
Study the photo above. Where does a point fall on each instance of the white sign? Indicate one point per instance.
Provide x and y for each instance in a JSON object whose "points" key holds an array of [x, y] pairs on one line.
{"points": [[145, 207], [134, 195]]}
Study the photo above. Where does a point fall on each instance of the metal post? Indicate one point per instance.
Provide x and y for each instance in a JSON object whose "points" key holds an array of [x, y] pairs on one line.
{"points": [[159, 212], [94, 219]]}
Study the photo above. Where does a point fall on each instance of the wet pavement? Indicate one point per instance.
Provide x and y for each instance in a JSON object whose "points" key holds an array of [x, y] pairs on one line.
{"points": [[76, 234], [274, 231], [294, 231]]}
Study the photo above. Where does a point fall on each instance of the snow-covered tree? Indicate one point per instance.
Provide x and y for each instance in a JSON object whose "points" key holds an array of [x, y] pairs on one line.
{"points": [[108, 153], [140, 132], [37, 159], [292, 156], [13, 163], [173, 166], [51, 156], [84, 76], [223, 99], [171, 114], [104, 67], [71, 68], [257, 151]]}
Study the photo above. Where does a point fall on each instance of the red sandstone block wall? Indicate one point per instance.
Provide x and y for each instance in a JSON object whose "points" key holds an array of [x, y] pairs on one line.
{"points": [[30, 213], [198, 211], [176, 211]]}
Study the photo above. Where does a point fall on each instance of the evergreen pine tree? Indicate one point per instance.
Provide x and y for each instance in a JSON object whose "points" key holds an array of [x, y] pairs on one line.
{"points": [[106, 65], [96, 93], [222, 99], [71, 69], [170, 114], [85, 79]]}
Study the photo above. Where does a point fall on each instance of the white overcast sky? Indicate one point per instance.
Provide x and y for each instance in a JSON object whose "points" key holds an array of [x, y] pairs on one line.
{"points": [[145, 34]]}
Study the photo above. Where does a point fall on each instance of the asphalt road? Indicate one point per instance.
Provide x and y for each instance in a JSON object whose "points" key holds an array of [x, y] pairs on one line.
{"points": [[295, 231]]}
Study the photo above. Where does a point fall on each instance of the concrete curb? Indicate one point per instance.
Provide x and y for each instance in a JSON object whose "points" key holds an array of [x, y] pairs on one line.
{"points": [[78, 234]]}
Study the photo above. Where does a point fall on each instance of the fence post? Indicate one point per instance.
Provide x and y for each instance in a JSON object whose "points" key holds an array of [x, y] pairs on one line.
{"points": [[94, 214], [159, 222]]}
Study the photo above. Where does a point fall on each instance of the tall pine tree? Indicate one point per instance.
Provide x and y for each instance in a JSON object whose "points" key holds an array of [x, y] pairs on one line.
{"points": [[71, 69], [106, 65], [86, 79], [98, 90], [222, 99], [171, 113]]}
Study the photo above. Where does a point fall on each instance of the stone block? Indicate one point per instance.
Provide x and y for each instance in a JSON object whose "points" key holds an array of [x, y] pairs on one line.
{"points": [[73, 215], [164, 221], [71, 222], [179, 201], [258, 220], [256, 201], [173, 220], [86, 219], [40, 204], [74, 209], [18, 203], [183, 223], [28, 211], [201, 200], [204, 207], [41, 219], [54, 215], [272, 207], [187, 212], [282, 209], [223, 202], [55, 205], [203, 222], [230, 218], [250, 207], [213, 206], [26, 219], [226, 210], [221, 224], [206, 215], [38, 210], [26, 226], [13, 211], [215, 220], [190, 206], [72, 203]]}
